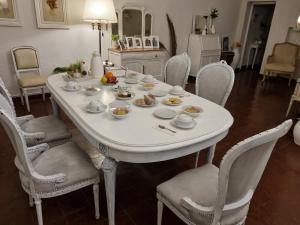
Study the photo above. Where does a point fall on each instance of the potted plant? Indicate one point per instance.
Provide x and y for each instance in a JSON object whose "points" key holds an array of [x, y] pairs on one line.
{"points": [[214, 13], [115, 39]]}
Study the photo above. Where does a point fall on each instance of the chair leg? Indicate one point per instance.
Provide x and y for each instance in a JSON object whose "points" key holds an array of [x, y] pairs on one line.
{"points": [[38, 205], [210, 154], [197, 159], [96, 200], [27, 101], [43, 92], [22, 96], [31, 203], [289, 108], [160, 207]]}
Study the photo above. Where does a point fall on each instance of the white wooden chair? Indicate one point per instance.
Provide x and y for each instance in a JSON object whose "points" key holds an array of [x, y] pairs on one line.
{"points": [[177, 70], [26, 61], [214, 82], [295, 97], [49, 172], [47, 129], [221, 196]]}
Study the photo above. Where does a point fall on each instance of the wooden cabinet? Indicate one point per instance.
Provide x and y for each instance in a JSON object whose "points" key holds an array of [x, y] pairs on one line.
{"points": [[203, 49], [142, 61]]}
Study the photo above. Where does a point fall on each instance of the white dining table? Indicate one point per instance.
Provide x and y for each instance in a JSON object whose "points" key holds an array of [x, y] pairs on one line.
{"points": [[137, 138]]}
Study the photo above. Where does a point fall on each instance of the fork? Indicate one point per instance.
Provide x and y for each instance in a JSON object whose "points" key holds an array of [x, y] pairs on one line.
{"points": [[165, 128]]}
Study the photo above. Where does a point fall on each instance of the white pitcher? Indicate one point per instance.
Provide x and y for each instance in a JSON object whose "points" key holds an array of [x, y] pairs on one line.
{"points": [[97, 69]]}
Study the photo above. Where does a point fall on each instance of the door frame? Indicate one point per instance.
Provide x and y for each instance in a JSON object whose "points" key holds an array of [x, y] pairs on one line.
{"points": [[247, 23]]}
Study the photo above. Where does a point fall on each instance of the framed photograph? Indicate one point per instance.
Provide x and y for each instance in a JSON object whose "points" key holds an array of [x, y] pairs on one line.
{"points": [[137, 42], [51, 14], [155, 41], [121, 45], [9, 14], [147, 42], [129, 41], [225, 43]]}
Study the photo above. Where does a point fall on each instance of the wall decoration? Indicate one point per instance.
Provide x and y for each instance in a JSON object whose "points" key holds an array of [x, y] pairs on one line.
{"points": [[137, 42], [147, 42], [155, 41], [51, 13], [9, 15], [129, 41]]}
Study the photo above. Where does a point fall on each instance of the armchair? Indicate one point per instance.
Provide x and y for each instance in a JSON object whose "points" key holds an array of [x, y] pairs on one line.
{"points": [[48, 172], [282, 61]]}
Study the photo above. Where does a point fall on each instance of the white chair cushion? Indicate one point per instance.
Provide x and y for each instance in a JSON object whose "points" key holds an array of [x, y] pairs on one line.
{"points": [[67, 159], [200, 185], [54, 129]]}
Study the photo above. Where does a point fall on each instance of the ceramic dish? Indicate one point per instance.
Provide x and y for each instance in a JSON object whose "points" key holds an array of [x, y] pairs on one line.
{"points": [[141, 103], [165, 113], [181, 126], [74, 89], [172, 101], [87, 109], [90, 91], [158, 93], [125, 98], [191, 110], [119, 110]]}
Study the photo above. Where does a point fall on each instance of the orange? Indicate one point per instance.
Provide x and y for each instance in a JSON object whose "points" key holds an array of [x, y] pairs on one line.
{"points": [[109, 75]]}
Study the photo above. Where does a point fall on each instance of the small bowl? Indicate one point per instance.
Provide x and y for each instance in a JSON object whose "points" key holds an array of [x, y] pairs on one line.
{"points": [[148, 86], [90, 91], [183, 120], [191, 110], [119, 110]]}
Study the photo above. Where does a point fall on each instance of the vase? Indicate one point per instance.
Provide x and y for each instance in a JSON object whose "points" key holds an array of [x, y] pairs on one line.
{"points": [[97, 69], [296, 133], [213, 29]]}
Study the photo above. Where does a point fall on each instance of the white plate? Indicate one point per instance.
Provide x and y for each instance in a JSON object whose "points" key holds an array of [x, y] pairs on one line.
{"points": [[177, 93], [94, 111], [131, 80], [125, 98], [188, 126], [71, 90], [158, 93], [165, 113], [170, 104]]}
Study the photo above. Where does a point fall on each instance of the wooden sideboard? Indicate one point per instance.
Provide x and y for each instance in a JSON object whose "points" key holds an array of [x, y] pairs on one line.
{"points": [[144, 61]]}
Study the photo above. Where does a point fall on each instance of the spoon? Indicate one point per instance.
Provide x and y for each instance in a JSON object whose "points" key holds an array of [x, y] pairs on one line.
{"points": [[165, 128]]}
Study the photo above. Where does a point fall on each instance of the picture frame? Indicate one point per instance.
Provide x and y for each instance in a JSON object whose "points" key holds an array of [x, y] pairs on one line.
{"points": [[147, 42], [9, 14], [155, 41], [137, 42], [121, 45], [225, 43], [129, 41], [51, 14]]}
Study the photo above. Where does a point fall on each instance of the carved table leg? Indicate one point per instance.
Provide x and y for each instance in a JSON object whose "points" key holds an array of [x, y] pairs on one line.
{"points": [[55, 107], [210, 154], [109, 167]]}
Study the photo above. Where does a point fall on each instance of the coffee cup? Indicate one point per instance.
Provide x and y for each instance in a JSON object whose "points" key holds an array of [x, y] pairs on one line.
{"points": [[177, 90], [183, 120], [95, 105]]}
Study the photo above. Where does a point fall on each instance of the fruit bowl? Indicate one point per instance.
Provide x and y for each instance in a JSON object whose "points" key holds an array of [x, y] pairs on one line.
{"points": [[109, 79]]}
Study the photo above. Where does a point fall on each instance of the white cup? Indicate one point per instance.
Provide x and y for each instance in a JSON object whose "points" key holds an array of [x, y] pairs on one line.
{"points": [[95, 105], [148, 78], [183, 120], [177, 89]]}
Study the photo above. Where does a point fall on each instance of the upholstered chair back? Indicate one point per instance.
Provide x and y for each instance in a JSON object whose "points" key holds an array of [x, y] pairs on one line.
{"points": [[242, 168], [25, 58], [285, 53], [177, 70], [214, 82], [16, 137], [5, 93]]}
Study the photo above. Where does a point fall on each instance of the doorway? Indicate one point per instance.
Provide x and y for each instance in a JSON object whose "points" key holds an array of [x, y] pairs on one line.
{"points": [[256, 33]]}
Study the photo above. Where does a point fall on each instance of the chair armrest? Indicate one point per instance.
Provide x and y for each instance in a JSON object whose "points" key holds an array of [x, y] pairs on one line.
{"points": [[56, 178], [24, 119], [34, 138], [270, 59], [35, 151], [193, 207], [240, 203]]}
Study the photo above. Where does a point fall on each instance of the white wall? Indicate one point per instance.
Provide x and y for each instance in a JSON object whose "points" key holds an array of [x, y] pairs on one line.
{"points": [[285, 16], [56, 47], [62, 47]]}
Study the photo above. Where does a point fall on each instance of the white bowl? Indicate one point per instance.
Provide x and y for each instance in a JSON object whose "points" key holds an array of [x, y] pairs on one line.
{"points": [[148, 79], [183, 120], [158, 93], [119, 104], [90, 91], [193, 114], [177, 90], [148, 86]]}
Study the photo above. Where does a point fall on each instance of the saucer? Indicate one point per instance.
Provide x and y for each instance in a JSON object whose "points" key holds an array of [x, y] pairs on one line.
{"points": [[181, 126], [71, 89], [158, 93], [94, 111], [165, 113]]}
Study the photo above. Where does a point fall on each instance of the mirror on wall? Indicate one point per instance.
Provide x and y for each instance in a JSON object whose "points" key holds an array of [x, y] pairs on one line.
{"points": [[148, 24], [132, 22], [199, 23]]}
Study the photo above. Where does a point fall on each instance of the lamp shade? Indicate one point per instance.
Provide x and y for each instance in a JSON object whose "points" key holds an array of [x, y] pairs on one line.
{"points": [[99, 11]]}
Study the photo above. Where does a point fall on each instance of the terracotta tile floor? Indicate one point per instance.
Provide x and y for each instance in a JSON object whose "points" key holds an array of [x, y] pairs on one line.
{"points": [[276, 201]]}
